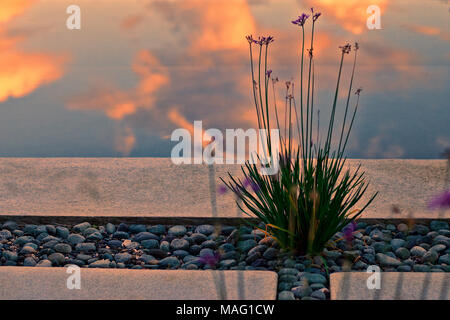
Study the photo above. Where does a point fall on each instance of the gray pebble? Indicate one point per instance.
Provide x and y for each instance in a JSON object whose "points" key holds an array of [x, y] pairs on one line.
{"points": [[10, 225], [157, 229], [57, 258], [205, 229], [402, 253], [63, 248], [387, 261], [79, 228], [301, 291], [445, 259], [110, 228], [318, 294], [136, 228], [123, 257], [430, 256], [179, 244], [27, 250], [286, 295], [62, 232], [29, 262], [177, 231], [44, 263], [88, 246], [75, 239], [417, 251], [100, 264], [150, 244], [169, 262], [421, 268], [438, 225]]}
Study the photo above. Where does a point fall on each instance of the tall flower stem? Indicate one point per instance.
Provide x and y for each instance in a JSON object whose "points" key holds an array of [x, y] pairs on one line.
{"points": [[301, 92], [253, 85], [348, 100], [333, 109], [308, 138]]}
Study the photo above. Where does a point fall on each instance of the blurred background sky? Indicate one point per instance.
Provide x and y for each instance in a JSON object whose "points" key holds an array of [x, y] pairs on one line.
{"points": [[138, 69]]}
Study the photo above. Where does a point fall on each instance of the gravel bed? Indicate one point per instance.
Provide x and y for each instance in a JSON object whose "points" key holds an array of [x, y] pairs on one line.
{"points": [[414, 248]]}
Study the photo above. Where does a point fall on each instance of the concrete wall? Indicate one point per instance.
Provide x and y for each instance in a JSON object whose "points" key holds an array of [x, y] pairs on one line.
{"points": [[156, 187]]}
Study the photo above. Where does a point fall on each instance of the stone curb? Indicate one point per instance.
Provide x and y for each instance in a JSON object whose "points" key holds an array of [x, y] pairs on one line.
{"points": [[393, 286], [34, 283]]}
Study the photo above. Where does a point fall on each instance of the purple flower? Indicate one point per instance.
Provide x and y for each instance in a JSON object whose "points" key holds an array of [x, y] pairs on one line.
{"points": [[315, 15], [249, 39], [348, 231], [356, 46], [254, 186], [222, 189], [250, 183], [301, 20], [288, 84], [346, 49], [358, 91], [260, 41], [246, 182], [268, 73], [268, 40], [210, 259], [441, 201]]}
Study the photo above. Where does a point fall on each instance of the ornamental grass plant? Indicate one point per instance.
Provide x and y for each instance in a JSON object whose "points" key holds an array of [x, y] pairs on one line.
{"points": [[313, 195]]}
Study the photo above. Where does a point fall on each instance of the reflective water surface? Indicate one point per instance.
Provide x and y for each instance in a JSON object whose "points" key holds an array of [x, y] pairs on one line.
{"points": [[139, 69]]}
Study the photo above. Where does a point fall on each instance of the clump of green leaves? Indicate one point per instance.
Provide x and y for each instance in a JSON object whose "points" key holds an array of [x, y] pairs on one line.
{"points": [[313, 195]]}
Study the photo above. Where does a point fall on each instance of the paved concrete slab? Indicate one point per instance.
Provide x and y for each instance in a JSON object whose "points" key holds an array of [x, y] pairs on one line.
{"points": [[154, 187], [394, 286], [34, 283]]}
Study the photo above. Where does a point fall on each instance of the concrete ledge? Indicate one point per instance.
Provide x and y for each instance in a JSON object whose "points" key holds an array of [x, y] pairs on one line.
{"points": [[394, 286], [167, 220], [155, 187], [25, 283]]}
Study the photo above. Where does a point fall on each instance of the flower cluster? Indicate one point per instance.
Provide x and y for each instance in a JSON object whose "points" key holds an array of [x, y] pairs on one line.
{"points": [[210, 259], [301, 20], [245, 184], [348, 231], [346, 49], [442, 201], [261, 40], [315, 15]]}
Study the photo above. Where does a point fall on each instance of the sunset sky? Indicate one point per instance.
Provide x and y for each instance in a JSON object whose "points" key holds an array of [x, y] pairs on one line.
{"points": [[138, 69]]}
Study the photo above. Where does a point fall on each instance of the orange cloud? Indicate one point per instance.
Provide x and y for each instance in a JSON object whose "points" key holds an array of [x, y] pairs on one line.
{"points": [[223, 24], [13, 8], [132, 21], [350, 14], [152, 73], [118, 104], [21, 73], [125, 141], [429, 31], [179, 120]]}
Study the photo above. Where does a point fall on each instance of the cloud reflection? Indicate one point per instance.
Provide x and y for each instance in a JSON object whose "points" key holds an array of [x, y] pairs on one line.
{"points": [[21, 72]]}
